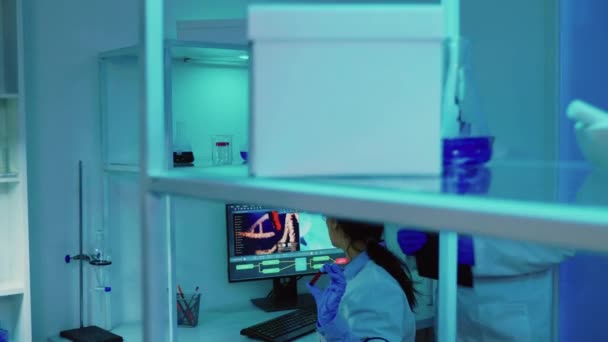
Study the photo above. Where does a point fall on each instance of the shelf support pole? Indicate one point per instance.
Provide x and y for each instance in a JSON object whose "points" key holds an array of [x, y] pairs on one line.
{"points": [[156, 273]]}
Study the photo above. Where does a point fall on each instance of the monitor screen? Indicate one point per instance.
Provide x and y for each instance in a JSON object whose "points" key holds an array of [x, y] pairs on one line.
{"points": [[276, 242]]}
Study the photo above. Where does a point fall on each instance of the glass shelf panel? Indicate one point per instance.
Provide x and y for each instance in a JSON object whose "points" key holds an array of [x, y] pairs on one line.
{"points": [[505, 200], [538, 182], [541, 182], [210, 53]]}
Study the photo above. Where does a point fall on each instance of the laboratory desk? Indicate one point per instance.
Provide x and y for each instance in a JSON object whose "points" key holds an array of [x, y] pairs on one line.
{"points": [[226, 326]]}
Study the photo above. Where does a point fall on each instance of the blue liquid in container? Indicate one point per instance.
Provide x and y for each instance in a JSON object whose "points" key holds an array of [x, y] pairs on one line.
{"points": [[467, 151]]}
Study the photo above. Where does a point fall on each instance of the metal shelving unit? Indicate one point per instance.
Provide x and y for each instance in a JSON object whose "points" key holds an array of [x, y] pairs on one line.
{"points": [[408, 201]]}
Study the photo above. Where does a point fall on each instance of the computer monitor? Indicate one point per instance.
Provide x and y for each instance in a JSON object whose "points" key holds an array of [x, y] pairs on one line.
{"points": [[279, 244]]}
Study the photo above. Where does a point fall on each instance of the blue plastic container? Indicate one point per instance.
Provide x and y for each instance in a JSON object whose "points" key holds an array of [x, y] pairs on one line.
{"points": [[3, 335], [467, 151], [466, 180]]}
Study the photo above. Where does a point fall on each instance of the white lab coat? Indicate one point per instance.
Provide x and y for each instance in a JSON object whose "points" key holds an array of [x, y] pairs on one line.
{"points": [[513, 293], [373, 305]]}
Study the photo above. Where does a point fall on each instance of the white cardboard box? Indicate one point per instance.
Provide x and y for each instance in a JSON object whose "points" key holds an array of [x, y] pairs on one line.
{"points": [[221, 31], [345, 89]]}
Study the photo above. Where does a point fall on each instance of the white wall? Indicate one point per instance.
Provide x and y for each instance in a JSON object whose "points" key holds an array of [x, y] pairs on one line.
{"points": [[211, 100], [62, 39], [125, 247]]}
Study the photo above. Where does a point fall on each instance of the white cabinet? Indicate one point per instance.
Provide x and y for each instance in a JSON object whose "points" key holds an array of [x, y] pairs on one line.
{"points": [[15, 312]]}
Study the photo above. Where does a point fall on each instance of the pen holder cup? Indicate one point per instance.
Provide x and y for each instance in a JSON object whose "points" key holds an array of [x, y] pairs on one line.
{"points": [[187, 309]]}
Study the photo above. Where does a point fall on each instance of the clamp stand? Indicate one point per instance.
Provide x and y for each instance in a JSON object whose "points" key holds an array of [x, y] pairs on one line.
{"points": [[91, 333]]}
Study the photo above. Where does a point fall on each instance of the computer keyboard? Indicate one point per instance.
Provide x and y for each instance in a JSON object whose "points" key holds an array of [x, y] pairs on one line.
{"points": [[286, 327]]}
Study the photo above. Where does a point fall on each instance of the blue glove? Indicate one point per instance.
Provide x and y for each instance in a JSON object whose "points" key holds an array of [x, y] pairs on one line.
{"points": [[411, 241], [328, 300], [466, 252]]}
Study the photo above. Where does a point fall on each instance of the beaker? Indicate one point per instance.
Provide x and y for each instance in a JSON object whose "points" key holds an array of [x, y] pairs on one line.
{"points": [[221, 147], [466, 135]]}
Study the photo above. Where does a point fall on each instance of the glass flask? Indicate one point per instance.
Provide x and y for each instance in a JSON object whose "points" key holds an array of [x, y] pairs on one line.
{"points": [[466, 135]]}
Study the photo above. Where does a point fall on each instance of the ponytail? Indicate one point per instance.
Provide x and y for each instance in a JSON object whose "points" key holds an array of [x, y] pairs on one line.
{"points": [[371, 234], [398, 270]]}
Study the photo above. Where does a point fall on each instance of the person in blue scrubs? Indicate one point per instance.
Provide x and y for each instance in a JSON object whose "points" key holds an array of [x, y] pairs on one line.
{"points": [[373, 298]]}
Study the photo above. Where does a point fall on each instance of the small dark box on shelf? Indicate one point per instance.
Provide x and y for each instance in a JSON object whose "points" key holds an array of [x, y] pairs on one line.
{"points": [[183, 159]]}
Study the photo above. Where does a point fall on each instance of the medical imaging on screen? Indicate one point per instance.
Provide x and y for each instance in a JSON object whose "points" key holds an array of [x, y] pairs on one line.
{"points": [[267, 242]]}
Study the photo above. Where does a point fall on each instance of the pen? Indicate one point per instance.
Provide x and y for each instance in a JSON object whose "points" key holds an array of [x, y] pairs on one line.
{"points": [[193, 299], [188, 310], [316, 277]]}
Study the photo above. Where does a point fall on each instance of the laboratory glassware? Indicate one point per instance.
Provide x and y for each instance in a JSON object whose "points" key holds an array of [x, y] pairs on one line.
{"points": [[101, 261], [465, 131], [98, 257], [221, 149], [182, 148]]}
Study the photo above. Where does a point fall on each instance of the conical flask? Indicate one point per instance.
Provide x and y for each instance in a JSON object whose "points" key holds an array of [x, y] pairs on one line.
{"points": [[466, 135]]}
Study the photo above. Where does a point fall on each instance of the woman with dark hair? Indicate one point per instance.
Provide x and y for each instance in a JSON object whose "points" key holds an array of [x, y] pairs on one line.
{"points": [[373, 298]]}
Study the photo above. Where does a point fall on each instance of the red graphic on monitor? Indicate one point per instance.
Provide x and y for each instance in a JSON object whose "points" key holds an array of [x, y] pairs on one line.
{"points": [[276, 222]]}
